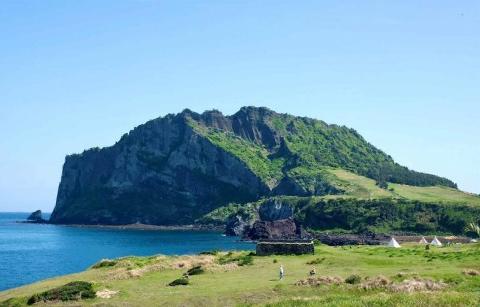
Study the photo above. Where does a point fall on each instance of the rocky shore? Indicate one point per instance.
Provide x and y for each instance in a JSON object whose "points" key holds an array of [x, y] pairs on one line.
{"points": [[139, 226]]}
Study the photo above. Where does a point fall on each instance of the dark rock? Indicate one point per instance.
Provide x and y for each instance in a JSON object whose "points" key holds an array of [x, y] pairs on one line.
{"points": [[286, 229], [290, 247], [236, 225], [274, 210], [36, 217], [162, 173], [280, 229]]}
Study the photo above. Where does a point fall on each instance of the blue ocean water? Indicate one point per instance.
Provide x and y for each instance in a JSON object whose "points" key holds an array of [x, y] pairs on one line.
{"points": [[32, 252]]}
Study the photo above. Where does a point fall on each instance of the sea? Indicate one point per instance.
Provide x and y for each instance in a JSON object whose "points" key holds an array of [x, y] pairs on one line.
{"points": [[32, 252]]}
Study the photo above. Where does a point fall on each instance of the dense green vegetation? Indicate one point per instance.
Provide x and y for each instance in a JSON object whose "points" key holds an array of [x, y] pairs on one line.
{"points": [[311, 145], [345, 276], [220, 215], [366, 207], [386, 215], [72, 291]]}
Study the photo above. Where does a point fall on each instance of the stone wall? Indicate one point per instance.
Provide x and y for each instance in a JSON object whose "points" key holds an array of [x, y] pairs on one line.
{"points": [[284, 247]]}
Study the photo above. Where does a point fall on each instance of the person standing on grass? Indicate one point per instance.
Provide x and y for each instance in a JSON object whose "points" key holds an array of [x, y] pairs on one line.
{"points": [[282, 273]]}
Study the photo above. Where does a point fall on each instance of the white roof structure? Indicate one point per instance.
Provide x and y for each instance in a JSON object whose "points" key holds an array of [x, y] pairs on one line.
{"points": [[393, 243], [423, 241], [436, 242]]}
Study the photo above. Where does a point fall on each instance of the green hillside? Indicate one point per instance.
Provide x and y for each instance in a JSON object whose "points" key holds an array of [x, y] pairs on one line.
{"points": [[307, 144], [362, 187], [179, 169], [435, 194], [363, 205]]}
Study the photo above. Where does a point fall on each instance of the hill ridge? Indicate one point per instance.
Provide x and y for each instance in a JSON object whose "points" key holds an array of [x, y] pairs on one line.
{"points": [[176, 168]]}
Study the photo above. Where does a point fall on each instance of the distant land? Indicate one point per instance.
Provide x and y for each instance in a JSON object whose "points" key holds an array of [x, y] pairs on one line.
{"points": [[212, 169]]}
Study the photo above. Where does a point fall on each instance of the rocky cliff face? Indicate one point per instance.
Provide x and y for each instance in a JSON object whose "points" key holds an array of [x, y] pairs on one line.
{"points": [[276, 221], [174, 169], [162, 172]]}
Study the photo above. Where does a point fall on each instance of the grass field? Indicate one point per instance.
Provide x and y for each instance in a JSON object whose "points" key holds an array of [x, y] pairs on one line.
{"points": [[143, 281], [357, 186], [435, 194], [362, 187]]}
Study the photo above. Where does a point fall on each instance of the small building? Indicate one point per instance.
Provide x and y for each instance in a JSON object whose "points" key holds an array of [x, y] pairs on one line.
{"points": [[284, 247]]}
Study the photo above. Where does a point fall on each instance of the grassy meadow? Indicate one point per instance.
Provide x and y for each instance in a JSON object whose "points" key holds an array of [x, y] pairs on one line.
{"points": [[230, 280], [365, 188]]}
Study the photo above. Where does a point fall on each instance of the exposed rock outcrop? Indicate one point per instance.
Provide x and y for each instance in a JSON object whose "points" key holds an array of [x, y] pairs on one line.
{"points": [[237, 225], [36, 217], [161, 173], [281, 229], [274, 210], [276, 222]]}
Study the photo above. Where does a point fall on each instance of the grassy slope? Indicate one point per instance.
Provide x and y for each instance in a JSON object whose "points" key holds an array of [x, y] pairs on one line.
{"points": [[357, 186], [259, 284], [435, 194], [254, 156], [362, 187]]}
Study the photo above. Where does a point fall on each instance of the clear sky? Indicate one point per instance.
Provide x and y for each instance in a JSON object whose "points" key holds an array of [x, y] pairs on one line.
{"points": [[79, 74]]}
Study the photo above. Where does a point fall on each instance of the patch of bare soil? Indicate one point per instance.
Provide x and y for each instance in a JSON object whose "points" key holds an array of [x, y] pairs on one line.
{"points": [[414, 284], [471, 272], [321, 280], [105, 293], [376, 283], [417, 284]]}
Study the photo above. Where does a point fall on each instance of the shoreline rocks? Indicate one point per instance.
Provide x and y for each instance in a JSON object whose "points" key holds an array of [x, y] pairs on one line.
{"points": [[36, 217]]}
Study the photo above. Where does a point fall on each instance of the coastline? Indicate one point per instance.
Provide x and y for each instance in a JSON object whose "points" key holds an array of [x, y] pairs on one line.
{"points": [[140, 226]]}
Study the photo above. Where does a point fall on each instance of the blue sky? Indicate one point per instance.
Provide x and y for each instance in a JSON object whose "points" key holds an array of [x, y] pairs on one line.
{"points": [[79, 74]]}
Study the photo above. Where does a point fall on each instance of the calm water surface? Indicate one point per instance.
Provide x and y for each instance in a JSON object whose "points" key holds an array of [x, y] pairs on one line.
{"points": [[31, 252]]}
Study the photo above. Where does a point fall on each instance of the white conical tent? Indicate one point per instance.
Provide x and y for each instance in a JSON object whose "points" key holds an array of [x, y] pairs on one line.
{"points": [[423, 241], [436, 242], [393, 243]]}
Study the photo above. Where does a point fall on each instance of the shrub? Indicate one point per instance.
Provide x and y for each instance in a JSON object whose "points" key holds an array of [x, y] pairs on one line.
{"points": [[196, 270], [72, 291], [14, 302], [213, 253], [353, 279], [104, 263], [316, 261], [245, 260], [242, 259], [179, 282], [275, 260]]}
